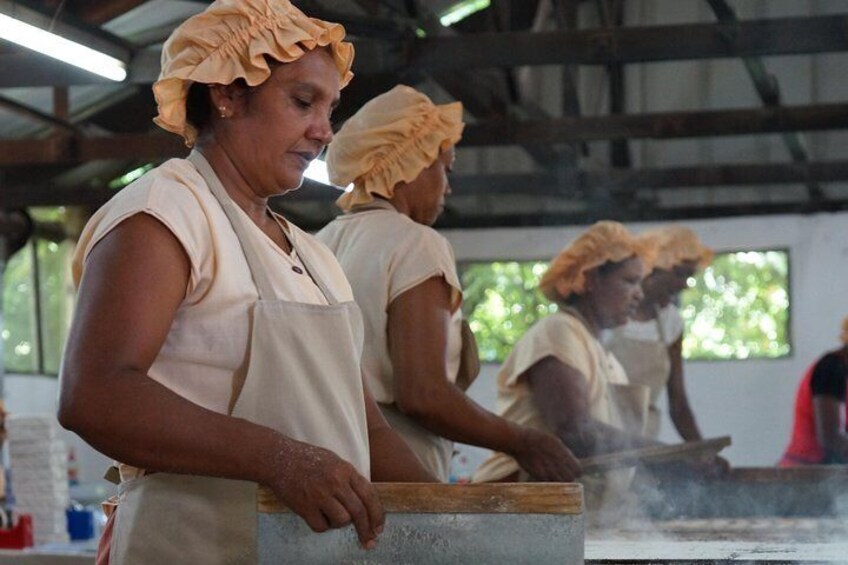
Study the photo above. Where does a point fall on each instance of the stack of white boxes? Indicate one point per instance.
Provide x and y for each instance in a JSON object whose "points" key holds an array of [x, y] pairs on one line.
{"points": [[39, 466]]}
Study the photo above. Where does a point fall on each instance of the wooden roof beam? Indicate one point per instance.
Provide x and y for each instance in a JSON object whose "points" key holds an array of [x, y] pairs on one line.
{"points": [[768, 89], [71, 150], [544, 184], [784, 36], [36, 115], [563, 130], [661, 125], [778, 36]]}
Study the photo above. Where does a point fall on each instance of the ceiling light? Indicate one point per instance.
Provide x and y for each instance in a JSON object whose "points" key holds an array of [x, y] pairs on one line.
{"points": [[462, 10], [65, 50]]}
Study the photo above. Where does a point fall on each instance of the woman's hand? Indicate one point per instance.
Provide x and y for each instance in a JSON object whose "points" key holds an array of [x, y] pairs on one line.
{"points": [[545, 457], [326, 491]]}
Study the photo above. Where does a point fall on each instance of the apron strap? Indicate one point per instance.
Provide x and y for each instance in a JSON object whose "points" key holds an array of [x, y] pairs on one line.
{"points": [[319, 282], [260, 277], [660, 328], [254, 264]]}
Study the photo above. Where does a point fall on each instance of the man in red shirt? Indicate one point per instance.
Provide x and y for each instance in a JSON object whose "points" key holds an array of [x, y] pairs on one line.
{"points": [[819, 433]]}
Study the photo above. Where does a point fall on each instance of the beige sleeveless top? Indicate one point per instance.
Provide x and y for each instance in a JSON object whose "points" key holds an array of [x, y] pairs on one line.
{"points": [[563, 336], [384, 254], [209, 337]]}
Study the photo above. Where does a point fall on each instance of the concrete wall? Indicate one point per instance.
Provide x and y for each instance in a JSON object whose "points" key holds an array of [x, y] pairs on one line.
{"points": [[37, 395], [748, 400]]}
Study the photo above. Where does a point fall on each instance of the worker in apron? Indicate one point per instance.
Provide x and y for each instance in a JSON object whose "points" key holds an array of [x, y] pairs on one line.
{"points": [[560, 378], [649, 345], [419, 356], [216, 347]]}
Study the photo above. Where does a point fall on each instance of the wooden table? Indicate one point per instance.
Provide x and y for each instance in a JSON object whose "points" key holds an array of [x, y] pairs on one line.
{"points": [[537, 523]]}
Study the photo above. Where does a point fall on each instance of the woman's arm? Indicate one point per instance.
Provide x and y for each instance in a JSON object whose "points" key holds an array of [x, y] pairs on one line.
{"points": [[830, 427], [392, 461], [561, 395], [419, 320], [135, 280], [679, 409]]}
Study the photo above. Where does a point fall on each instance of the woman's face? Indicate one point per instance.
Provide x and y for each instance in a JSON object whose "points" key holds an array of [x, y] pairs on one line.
{"points": [[426, 194], [659, 287], [279, 127], [615, 291], [662, 285], [682, 273]]}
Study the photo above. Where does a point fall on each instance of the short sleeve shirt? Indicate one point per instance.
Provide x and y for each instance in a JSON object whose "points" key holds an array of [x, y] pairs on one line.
{"points": [[384, 254], [564, 337], [209, 338]]}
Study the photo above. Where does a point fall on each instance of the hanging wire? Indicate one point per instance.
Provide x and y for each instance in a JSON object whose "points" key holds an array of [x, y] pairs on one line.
{"points": [[56, 15]]}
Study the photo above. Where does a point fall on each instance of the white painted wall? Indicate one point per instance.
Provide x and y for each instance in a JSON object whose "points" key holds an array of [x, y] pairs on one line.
{"points": [[29, 394], [748, 400]]}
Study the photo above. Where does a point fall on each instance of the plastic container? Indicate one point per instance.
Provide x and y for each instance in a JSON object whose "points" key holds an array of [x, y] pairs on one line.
{"points": [[80, 523], [19, 536]]}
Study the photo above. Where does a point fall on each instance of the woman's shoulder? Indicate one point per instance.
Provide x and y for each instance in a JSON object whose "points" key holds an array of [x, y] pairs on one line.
{"points": [[558, 327], [174, 184], [561, 319], [173, 193]]}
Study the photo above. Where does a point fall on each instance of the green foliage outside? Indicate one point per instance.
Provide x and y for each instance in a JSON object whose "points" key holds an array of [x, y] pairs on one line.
{"points": [[501, 302], [738, 308], [19, 342], [20, 324]]}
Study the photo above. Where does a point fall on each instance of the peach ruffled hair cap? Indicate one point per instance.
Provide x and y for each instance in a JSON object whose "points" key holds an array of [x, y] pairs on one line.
{"points": [[603, 242], [676, 244], [391, 139], [228, 41]]}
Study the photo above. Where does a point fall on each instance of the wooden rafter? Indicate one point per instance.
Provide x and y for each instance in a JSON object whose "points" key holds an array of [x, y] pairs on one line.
{"points": [[661, 125], [542, 184], [36, 115], [768, 90], [778, 36], [463, 53]]}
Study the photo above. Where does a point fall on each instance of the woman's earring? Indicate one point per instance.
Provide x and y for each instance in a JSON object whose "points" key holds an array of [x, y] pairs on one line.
{"points": [[222, 110]]}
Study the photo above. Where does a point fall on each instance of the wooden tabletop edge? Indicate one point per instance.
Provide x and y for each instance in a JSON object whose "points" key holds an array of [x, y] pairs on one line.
{"points": [[484, 498]]}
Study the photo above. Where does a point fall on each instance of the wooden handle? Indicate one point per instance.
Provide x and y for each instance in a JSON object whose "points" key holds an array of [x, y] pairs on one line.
{"points": [[486, 498], [655, 454]]}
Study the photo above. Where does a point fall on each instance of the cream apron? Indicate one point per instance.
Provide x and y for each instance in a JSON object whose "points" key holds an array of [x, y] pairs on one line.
{"points": [[303, 380], [646, 363]]}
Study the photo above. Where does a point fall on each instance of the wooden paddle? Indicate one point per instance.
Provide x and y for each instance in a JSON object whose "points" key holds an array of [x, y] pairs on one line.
{"points": [[656, 454]]}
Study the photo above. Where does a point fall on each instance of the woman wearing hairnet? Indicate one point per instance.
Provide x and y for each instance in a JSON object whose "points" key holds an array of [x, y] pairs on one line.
{"points": [[649, 345], [559, 377], [819, 434], [397, 151], [216, 347]]}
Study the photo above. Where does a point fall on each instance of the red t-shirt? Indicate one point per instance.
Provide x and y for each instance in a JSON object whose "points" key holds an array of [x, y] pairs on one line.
{"points": [[827, 377]]}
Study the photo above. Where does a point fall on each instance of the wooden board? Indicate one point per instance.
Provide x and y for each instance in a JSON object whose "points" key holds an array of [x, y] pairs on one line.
{"points": [[654, 455], [789, 475], [488, 498]]}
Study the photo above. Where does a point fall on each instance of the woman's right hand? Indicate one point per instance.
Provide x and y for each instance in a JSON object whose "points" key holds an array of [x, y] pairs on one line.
{"points": [[545, 457], [326, 491]]}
